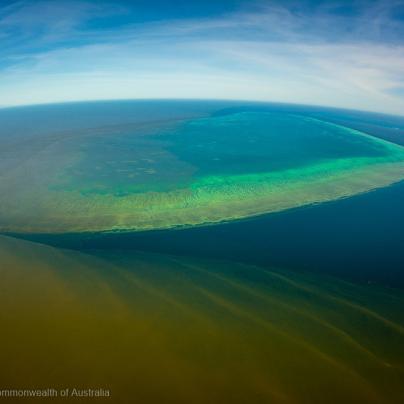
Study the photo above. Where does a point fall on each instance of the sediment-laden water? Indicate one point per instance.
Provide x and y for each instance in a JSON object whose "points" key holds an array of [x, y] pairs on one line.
{"points": [[100, 288], [158, 328]]}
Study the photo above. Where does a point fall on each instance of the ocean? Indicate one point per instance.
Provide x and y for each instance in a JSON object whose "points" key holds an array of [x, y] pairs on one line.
{"points": [[297, 305]]}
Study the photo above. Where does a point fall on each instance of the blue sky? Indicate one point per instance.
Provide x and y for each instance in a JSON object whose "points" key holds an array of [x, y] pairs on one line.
{"points": [[337, 53]]}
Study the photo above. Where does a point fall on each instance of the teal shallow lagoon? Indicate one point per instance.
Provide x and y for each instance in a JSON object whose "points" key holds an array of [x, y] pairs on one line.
{"points": [[188, 172], [241, 311]]}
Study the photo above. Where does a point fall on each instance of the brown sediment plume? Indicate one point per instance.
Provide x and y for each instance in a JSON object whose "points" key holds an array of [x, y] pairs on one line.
{"points": [[154, 328]]}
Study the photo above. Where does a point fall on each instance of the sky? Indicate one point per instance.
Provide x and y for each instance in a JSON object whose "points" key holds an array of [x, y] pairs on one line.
{"points": [[332, 53]]}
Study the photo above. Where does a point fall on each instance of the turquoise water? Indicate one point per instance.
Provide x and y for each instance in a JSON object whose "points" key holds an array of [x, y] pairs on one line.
{"points": [[361, 234], [251, 142], [300, 306], [144, 168], [122, 162]]}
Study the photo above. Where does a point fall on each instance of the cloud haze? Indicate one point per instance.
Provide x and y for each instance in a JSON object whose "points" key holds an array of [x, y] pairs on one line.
{"points": [[301, 52]]}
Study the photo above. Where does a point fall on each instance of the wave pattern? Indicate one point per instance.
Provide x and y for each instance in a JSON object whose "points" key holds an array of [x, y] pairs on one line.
{"points": [[166, 329]]}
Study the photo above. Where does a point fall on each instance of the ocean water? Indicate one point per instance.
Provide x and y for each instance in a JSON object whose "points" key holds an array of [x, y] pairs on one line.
{"points": [[157, 173], [358, 239], [301, 305], [160, 328]]}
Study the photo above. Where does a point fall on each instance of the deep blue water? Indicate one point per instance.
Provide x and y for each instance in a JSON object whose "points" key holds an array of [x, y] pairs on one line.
{"points": [[358, 238]]}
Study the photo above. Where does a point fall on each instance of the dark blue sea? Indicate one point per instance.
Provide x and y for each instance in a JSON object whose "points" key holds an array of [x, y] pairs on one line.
{"points": [[359, 238]]}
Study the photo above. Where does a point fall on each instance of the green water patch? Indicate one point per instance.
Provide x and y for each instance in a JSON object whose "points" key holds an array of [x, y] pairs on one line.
{"points": [[166, 329], [194, 172], [124, 164], [251, 142], [243, 143]]}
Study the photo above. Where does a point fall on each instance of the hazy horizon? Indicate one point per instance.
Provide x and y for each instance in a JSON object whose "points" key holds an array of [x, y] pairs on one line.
{"points": [[208, 100], [334, 54]]}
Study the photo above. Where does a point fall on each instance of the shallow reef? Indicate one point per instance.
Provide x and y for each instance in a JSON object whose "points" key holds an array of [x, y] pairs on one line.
{"points": [[188, 172]]}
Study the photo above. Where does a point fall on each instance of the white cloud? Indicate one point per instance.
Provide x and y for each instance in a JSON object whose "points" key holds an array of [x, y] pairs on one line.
{"points": [[265, 55]]}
